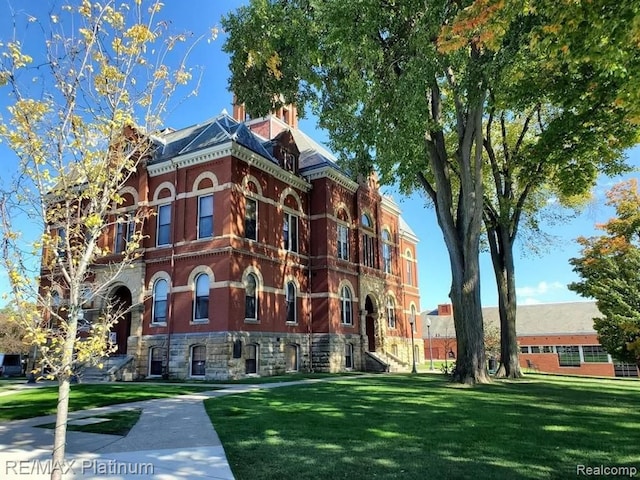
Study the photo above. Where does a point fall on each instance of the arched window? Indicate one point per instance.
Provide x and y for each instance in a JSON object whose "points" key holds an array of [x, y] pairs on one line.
{"points": [[387, 248], [291, 303], [391, 312], [156, 357], [198, 360], [251, 298], [291, 354], [346, 312], [290, 232], [160, 294], [201, 300]]}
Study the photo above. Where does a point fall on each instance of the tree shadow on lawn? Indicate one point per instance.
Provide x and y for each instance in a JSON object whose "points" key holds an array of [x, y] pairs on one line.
{"points": [[421, 427]]}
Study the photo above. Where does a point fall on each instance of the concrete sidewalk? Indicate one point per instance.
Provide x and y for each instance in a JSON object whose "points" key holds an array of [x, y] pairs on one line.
{"points": [[173, 439]]}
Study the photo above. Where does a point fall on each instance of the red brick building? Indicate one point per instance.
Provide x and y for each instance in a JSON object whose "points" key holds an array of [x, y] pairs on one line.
{"points": [[553, 338], [262, 257]]}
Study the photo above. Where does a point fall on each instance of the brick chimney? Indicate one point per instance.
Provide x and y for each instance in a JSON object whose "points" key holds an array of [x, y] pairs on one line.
{"points": [[445, 309]]}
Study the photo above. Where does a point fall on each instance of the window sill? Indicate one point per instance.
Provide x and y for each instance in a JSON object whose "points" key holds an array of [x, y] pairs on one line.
{"points": [[158, 324], [251, 320], [199, 321], [291, 323]]}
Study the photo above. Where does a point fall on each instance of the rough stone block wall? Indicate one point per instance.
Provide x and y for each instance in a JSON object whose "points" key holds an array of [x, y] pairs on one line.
{"points": [[329, 352]]}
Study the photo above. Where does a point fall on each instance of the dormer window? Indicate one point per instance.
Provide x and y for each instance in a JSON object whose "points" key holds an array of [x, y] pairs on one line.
{"points": [[288, 160]]}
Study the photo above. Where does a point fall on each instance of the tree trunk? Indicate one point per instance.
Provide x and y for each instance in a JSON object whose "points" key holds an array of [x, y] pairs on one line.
{"points": [[467, 316], [60, 436], [64, 389], [501, 248]]}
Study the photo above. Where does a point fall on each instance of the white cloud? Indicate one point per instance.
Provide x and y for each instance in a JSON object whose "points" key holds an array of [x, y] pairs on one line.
{"points": [[540, 289]]}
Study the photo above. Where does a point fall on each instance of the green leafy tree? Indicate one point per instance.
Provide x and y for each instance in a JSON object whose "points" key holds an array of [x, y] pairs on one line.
{"points": [[608, 267], [80, 122], [390, 97], [422, 92], [11, 333]]}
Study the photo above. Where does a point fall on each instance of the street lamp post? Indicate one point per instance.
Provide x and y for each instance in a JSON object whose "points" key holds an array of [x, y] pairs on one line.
{"points": [[430, 351], [412, 321]]}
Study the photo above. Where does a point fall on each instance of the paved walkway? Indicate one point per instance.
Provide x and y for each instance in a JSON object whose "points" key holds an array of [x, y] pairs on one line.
{"points": [[173, 439]]}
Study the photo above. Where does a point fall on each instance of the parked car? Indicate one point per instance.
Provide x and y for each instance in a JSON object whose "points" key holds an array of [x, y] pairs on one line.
{"points": [[10, 365]]}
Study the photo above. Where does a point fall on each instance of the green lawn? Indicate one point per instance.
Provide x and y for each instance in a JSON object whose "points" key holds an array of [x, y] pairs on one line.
{"points": [[39, 401], [116, 423], [408, 427]]}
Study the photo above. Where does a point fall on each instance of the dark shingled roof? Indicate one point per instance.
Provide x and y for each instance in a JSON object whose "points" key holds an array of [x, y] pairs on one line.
{"points": [[217, 131]]}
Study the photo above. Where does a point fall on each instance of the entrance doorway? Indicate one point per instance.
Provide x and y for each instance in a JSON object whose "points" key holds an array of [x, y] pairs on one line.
{"points": [[120, 331], [370, 323]]}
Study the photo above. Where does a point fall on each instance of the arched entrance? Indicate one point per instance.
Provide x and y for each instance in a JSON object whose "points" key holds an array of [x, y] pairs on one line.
{"points": [[121, 300], [370, 323]]}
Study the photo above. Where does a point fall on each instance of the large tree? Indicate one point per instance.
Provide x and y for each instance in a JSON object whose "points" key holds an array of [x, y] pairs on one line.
{"points": [[419, 90], [84, 106], [608, 267], [389, 97], [559, 114]]}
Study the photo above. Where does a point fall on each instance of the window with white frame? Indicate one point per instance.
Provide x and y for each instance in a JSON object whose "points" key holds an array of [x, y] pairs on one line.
{"points": [[291, 303], [391, 312], [290, 232], [201, 297], [387, 249], [251, 298], [163, 236], [594, 354], [568, 355], [368, 243], [251, 219], [205, 216], [124, 233], [409, 269], [160, 294], [198, 360], [343, 241], [346, 310]]}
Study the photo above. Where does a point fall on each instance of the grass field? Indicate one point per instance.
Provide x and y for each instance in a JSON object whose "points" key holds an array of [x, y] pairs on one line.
{"points": [[40, 401], [408, 427]]}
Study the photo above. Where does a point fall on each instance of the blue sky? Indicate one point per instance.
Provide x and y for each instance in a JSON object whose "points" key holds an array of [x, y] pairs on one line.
{"points": [[539, 279]]}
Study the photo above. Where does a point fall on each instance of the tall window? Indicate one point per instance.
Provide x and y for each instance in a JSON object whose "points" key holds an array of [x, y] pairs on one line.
{"points": [[568, 355], [250, 298], [251, 361], [290, 232], [343, 242], [391, 312], [124, 233], [201, 300], [368, 245], [164, 225], [62, 247], [251, 219], [348, 356], [386, 251], [198, 360], [291, 354], [291, 303], [409, 269], [160, 294], [156, 356], [205, 216], [594, 353], [345, 306]]}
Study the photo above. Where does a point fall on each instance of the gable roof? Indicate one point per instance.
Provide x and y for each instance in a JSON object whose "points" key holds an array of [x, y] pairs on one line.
{"points": [[574, 318]]}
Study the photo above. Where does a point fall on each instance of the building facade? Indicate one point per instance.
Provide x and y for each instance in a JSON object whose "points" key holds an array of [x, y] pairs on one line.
{"points": [[260, 256], [553, 338]]}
